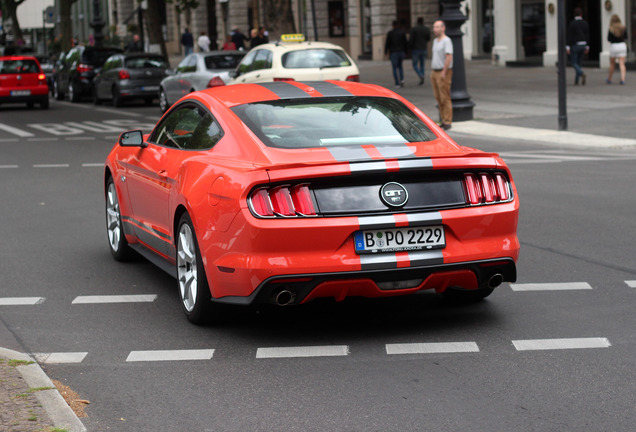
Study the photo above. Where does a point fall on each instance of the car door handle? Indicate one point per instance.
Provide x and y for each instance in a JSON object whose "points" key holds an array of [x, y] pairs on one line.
{"points": [[162, 173]]}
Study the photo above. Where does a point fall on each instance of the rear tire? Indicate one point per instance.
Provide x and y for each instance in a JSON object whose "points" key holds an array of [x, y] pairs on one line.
{"points": [[116, 98], [45, 103], [57, 93], [194, 290], [96, 99], [73, 92]]}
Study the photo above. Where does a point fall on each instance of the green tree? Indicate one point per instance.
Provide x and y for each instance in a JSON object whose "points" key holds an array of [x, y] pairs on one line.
{"points": [[279, 17]]}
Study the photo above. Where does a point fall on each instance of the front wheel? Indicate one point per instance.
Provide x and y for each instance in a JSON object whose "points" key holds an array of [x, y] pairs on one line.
{"points": [[74, 92], [193, 283], [57, 93], [163, 101], [114, 228]]}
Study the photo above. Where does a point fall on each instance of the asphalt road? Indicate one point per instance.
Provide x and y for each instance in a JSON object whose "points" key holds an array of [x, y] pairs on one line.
{"points": [[556, 351]]}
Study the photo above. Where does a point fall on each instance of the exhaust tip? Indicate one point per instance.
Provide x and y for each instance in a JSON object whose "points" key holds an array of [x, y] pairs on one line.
{"points": [[495, 280], [285, 297]]}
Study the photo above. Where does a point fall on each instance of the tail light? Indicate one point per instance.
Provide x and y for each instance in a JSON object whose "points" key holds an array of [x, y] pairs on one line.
{"points": [[354, 78], [284, 79], [486, 188], [124, 74], [283, 201], [215, 82], [81, 68], [42, 77]]}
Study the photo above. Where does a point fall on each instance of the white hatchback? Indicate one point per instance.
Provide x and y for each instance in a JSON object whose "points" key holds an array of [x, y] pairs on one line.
{"points": [[295, 61]]}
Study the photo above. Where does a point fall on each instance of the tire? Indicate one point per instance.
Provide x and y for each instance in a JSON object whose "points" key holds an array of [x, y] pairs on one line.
{"points": [[459, 295], [57, 93], [96, 99], [44, 104], [30, 105], [194, 290], [73, 92], [148, 101], [116, 98], [163, 101], [114, 227]]}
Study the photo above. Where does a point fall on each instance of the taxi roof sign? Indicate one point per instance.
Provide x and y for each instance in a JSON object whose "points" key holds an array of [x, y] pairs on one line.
{"points": [[298, 37]]}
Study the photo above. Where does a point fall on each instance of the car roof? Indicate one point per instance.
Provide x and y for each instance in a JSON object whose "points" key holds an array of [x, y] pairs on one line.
{"points": [[297, 46], [239, 94]]}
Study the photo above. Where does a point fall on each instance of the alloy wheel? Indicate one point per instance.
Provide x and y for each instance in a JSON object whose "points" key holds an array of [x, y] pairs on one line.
{"points": [[187, 267], [113, 218]]}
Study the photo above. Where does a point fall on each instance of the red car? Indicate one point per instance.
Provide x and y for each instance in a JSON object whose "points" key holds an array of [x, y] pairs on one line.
{"points": [[286, 192], [22, 81]]}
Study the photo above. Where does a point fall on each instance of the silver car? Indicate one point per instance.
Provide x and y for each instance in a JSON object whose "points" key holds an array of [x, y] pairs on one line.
{"points": [[198, 71]]}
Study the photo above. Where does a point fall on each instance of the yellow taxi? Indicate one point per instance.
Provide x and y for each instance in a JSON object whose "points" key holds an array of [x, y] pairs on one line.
{"points": [[294, 59]]}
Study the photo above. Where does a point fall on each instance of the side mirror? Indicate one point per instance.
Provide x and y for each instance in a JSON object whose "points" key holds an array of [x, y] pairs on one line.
{"points": [[233, 74], [134, 138]]}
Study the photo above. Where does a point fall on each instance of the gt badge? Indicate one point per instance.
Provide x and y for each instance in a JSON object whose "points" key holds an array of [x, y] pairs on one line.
{"points": [[394, 194]]}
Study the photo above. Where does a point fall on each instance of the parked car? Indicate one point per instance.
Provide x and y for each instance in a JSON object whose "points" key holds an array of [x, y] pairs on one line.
{"points": [[198, 71], [76, 71], [283, 193], [296, 61], [130, 76], [22, 81]]}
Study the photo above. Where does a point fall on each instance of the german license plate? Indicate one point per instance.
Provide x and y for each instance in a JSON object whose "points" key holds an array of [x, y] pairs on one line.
{"points": [[21, 93], [400, 239]]}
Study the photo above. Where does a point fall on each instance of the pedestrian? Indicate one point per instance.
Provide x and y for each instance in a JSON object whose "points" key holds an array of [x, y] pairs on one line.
{"points": [[263, 34], [228, 45], [255, 39], [617, 35], [239, 39], [204, 42], [419, 38], [135, 45], [578, 43], [395, 47], [187, 40], [442, 74]]}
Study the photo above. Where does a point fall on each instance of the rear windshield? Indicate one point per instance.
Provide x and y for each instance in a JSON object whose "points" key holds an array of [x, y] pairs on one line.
{"points": [[315, 58], [146, 63], [308, 123], [226, 61], [98, 57], [18, 66]]}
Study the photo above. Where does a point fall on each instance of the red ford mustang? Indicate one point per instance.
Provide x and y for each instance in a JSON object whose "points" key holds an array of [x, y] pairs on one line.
{"points": [[285, 192]]}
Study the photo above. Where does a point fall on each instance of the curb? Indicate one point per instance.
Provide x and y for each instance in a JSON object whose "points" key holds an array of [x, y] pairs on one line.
{"points": [[52, 401]]}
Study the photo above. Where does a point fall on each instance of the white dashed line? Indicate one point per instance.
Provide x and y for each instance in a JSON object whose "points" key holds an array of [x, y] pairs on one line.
{"points": [[8, 166], [60, 357], [431, 348], [132, 298], [93, 165], [21, 301], [7, 140], [170, 355], [559, 344], [82, 138], [308, 351], [42, 139], [551, 286], [51, 166], [631, 284]]}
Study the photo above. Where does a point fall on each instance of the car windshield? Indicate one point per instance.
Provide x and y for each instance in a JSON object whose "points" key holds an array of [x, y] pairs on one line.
{"points": [[225, 61], [315, 58], [18, 66], [308, 123], [146, 63]]}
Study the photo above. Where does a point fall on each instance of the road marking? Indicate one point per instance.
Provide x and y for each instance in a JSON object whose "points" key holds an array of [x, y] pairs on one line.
{"points": [[568, 286], [42, 139], [170, 355], [115, 111], [51, 166], [89, 165], [431, 348], [21, 301], [307, 351], [556, 344], [5, 140], [15, 131], [82, 138], [631, 284], [60, 357], [8, 166], [133, 298]]}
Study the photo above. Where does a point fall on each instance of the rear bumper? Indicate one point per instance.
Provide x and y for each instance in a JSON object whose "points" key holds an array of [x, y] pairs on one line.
{"points": [[302, 288], [33, 98]]}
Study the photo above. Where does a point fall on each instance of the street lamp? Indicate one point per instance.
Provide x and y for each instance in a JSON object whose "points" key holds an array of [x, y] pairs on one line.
{"points": [[97, 24], [453, 19]]}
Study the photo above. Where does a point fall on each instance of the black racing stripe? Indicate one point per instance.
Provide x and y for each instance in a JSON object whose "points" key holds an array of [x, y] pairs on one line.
{"points": [[419, 163], [421, 258], [327, 88], [285, 90], [378, 261]]}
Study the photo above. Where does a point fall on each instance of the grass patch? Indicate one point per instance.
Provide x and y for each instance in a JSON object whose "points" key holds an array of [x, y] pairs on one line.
{"points": [[19, 363]]}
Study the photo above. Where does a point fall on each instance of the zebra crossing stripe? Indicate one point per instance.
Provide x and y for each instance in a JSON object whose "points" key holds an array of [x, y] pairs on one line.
{"points": [[431, 348], [60, 357], [551, 286], [307, 351], [557, 344], [21, 301], [133, 298], [170, 355]]}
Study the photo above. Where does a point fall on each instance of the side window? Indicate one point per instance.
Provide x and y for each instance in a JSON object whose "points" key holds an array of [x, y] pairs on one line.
{"points": [[263, 59], [246, 64], [188, 128], [188, 64], [108, 65]]}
